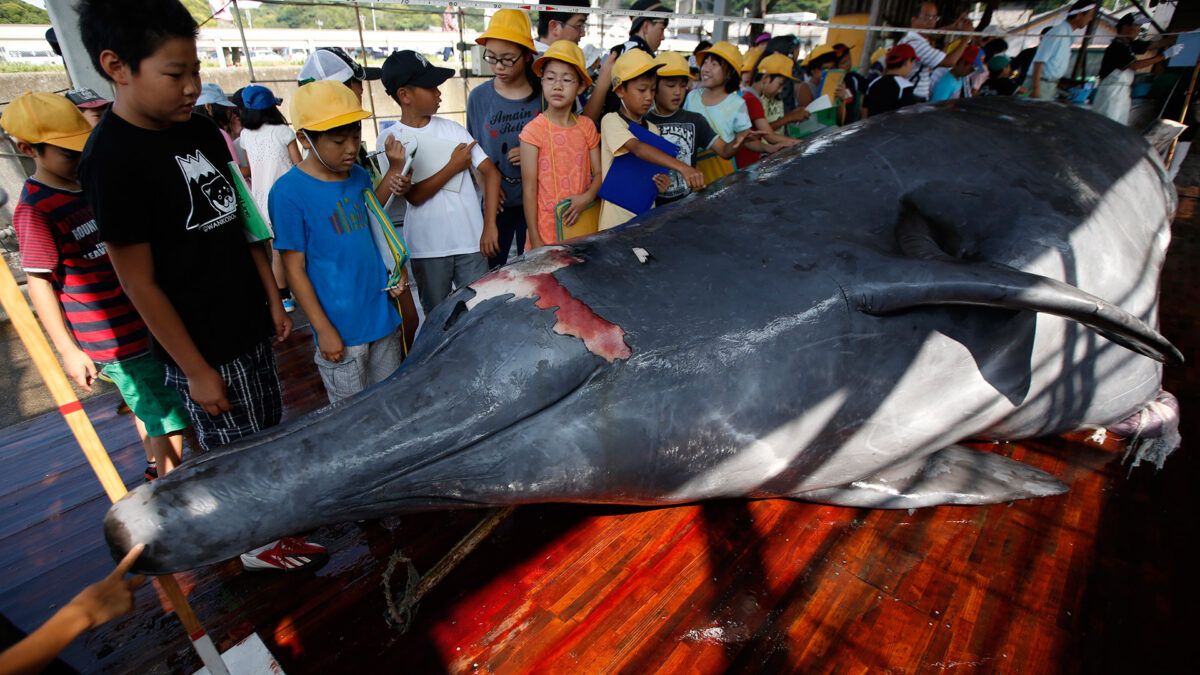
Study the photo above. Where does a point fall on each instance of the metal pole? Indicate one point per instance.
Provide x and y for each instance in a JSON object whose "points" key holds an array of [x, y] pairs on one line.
{"points": [[1081, 62], [870, 39], [366, 83], [721, 28], [237, 15], [65, 19], [462, 57]]}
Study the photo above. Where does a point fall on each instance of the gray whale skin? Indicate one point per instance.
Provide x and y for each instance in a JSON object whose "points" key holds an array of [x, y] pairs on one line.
{"points": [[824, 327]]}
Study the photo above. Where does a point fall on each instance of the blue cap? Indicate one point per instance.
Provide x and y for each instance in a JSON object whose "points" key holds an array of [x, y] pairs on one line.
{"points": [[258, 97], [212, 93]]}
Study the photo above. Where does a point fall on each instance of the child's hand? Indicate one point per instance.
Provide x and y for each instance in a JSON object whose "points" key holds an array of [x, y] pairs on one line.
{"points": [[514, 156], [797, 115], [578, 204], [207, 389], [80, 368], [394, 151], [402, 287], [332, 349], [460, 159], [281, 321], [745, 135], [662, 181], [489, 243], [694, 178], [399, 185], [112, 596]]}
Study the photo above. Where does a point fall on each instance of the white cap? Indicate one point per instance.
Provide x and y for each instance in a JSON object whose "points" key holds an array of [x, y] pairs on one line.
{"points": [[323, 64]]}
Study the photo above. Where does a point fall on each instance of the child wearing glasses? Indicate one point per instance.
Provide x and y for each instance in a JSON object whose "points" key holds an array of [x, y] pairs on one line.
{"points": [[498, 109], [560, 151]]}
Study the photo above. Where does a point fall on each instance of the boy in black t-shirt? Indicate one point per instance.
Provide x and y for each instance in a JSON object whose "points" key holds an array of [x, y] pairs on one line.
{"points": [[159, 185], [892, 89], [689, 131]]}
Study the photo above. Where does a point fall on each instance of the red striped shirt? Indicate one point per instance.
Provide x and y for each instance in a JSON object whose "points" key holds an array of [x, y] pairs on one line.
{"points": [[58, 236]]}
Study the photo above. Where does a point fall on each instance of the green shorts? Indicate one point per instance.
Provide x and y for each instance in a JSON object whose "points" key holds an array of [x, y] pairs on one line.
{"points": [[142, 382]]}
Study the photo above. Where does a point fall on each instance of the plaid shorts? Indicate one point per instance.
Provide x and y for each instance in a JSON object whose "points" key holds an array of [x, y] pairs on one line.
{"points": [[252, 387]]}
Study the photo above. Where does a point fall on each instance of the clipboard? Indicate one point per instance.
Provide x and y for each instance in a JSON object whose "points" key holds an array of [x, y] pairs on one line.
{"points": [[427, 154], [588, 222], [253, 223], [830, 81], [630, 180]]}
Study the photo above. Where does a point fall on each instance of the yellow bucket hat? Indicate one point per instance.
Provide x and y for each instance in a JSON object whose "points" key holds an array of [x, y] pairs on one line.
{"points": [[46, 118], [725, 51], [568, 52], [777, 64], [751, 57], [509, 24], [818, 51], [632, 63], [325, 105], [673, 64]]}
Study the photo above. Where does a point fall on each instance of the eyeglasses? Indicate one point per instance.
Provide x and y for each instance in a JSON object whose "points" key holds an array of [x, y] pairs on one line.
{"points": [[930, 17], [551, 82], [506, 61], [580, 27]]}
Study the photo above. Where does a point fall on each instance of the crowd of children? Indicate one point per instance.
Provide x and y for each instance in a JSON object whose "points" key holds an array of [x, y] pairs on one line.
{"points": [[140, 267]]}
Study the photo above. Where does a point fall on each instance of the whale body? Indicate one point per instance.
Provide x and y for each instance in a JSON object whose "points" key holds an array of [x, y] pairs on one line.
{"points": [[825, 326]]}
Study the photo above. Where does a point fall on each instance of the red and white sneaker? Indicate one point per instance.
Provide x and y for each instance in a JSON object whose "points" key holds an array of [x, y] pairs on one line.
{"points": [[287, 554]]}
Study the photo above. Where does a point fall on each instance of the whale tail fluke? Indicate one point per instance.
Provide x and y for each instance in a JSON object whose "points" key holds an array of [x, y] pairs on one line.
{"points": [[952, 475]]}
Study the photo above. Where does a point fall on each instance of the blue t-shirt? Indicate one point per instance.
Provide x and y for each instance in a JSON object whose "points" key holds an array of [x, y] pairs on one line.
{"points": [[946, 88], [496, 123], [327, 222]]}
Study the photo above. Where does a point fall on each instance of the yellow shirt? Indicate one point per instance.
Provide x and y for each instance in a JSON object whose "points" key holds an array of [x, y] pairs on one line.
{"points": [[614, 134]]}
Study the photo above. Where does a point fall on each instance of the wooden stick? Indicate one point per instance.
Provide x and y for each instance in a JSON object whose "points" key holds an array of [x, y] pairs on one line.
{"points": [[72, 410], [1187, 98]]}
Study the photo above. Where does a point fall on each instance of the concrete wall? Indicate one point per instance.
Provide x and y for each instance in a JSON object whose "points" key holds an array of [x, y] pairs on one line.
{"points": [[14, 169]]}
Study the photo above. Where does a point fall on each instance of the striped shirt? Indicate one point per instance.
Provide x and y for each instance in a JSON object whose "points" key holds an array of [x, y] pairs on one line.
{"points": [[930, 58], [58, 236]]}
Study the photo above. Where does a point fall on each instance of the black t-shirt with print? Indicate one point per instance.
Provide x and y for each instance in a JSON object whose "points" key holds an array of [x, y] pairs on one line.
{"points": [[173, 190], [689, 132]]}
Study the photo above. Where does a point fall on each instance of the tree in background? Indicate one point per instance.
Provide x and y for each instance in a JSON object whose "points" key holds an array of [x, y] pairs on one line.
{"points": [[15, 11]]}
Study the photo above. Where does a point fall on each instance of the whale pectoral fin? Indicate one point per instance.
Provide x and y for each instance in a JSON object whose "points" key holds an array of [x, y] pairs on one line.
{"points": [[952, 282], [952, 475]]}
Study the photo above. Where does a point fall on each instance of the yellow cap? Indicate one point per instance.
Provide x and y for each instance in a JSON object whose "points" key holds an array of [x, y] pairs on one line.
{"points": [[325, 105], [673, 64], [777, 64], [511, 25], [632, 63], [726, 51], [751, 57], [878, 54], [46, 118], [568, 52], [819, 50]]}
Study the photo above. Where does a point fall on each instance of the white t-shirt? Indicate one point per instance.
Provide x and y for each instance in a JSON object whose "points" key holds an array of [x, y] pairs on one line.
{"points": [[267, 151], [449, 223]]}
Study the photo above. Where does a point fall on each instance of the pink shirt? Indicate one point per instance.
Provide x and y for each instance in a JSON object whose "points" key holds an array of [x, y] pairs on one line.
{"points": [[564, 165]]}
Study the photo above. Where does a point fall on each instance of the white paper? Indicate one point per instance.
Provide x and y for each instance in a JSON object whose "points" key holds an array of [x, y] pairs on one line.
{"points": [[428, 155], [820, 103]]}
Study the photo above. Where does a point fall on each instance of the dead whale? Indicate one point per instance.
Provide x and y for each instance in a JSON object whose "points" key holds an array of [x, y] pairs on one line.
{"points": [[824, 327]]}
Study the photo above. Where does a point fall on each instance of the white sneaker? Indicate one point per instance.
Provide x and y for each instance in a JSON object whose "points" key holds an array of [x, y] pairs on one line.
{"points": [[287, 554]]}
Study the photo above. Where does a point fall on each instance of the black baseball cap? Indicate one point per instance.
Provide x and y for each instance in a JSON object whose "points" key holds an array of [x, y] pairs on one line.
{"points": [[410, 69]]}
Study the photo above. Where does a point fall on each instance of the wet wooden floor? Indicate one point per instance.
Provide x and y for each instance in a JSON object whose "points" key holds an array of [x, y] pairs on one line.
{"points": [[1097, 580]]}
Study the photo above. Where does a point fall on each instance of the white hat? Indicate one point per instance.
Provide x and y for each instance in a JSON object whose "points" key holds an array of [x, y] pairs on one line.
{"points": [[333, 63]]}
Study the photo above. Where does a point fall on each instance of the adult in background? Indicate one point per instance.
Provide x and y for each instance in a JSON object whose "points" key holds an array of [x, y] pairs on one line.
{"points": [[646, 34], [1118, 66], [555, 26], [925, 16], [1053, 56]]}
